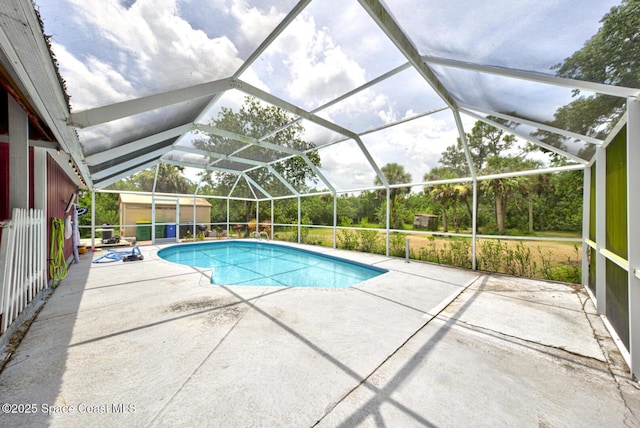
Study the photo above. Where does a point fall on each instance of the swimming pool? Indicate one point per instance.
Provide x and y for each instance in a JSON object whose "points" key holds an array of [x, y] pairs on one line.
{"points": [[257, 263]]}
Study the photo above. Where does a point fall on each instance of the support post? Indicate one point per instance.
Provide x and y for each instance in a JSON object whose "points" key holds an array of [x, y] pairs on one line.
{"points": [[474, 226], [601, 231], [586, 220], [93, 220], [258, 217], [474, 178], [633, 231], [299, 221], [18, 156], [335, 220], [194, 219], [40, 178], [153, 219], [388, 220], [178, 219], [153, 206], [407, 251]]}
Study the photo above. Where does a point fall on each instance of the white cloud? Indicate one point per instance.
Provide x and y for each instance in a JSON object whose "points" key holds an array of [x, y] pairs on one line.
{"points": [[345, 166], [319, 69], [416, 145], [149, 44], [387, 116], [251, 77], [362, 111], [92, 83], [254, 24]]}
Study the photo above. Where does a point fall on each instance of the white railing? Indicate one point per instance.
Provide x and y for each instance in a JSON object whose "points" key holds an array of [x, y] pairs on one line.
{"points": [[23, 262]]}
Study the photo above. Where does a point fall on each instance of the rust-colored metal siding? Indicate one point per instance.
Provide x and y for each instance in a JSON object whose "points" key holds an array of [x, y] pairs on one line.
{"points": [[59, 189], [5, 180]]}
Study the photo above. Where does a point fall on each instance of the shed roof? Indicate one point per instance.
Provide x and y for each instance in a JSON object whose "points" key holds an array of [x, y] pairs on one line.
{"points": [[128, 198]]}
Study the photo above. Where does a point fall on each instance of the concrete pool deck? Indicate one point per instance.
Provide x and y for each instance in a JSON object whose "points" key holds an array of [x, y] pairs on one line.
{"points": [[151, 343]]}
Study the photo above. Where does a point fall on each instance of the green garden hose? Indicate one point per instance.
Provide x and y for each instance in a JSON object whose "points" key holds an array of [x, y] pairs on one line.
{"points": [[57, 262]]}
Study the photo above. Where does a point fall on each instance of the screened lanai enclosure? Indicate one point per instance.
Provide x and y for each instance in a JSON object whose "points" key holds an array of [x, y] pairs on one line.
{"points": [[512, 123]]}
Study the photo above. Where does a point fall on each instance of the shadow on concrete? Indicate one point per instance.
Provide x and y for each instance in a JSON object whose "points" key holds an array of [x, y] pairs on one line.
{"points": [[47, 357]]}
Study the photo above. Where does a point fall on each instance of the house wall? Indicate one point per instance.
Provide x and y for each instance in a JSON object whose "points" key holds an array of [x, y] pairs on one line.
{"points": [[5, 181], [59, 189]]}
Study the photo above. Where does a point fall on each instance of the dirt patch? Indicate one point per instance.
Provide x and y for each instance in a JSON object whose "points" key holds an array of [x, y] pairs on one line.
{"points": [[218, 311], [230, 314], [199, 304], [14, 341]]}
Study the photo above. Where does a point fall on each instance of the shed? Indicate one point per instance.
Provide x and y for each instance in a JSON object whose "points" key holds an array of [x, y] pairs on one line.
{"points": [[135, 209], [425, 221]]}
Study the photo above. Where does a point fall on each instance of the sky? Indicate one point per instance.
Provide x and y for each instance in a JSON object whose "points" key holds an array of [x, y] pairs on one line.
{"points": [[110, 51]]}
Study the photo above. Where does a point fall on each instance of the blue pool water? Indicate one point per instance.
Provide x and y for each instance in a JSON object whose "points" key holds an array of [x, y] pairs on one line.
{"points": [[256, 263]]}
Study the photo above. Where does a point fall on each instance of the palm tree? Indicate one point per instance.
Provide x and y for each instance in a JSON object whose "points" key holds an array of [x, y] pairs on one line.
{"points": [[466, 196], [501, 188], [446, 193], [395, 174], [170, 179], [527, 187], [543, 185]]}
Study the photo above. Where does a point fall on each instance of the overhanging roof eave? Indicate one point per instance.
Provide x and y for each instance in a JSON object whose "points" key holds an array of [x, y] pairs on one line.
{"points": [[125, 173], [111, 112], [30, 61]]}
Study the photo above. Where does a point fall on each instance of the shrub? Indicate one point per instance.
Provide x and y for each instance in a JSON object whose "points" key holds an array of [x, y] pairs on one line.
{"points": [[347, 239], [304, 233], [490, 255], [570, 272], [430, 253], [460, 253], [397, 245], [368, 241], [519, 261]]}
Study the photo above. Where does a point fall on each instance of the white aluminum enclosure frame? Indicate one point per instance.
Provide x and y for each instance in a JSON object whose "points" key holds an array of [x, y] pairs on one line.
{"points": [[29, 57]]}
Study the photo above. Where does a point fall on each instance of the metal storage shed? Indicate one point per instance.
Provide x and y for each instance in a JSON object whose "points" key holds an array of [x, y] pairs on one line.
{"points": [[429, 221], [138, 208]]}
